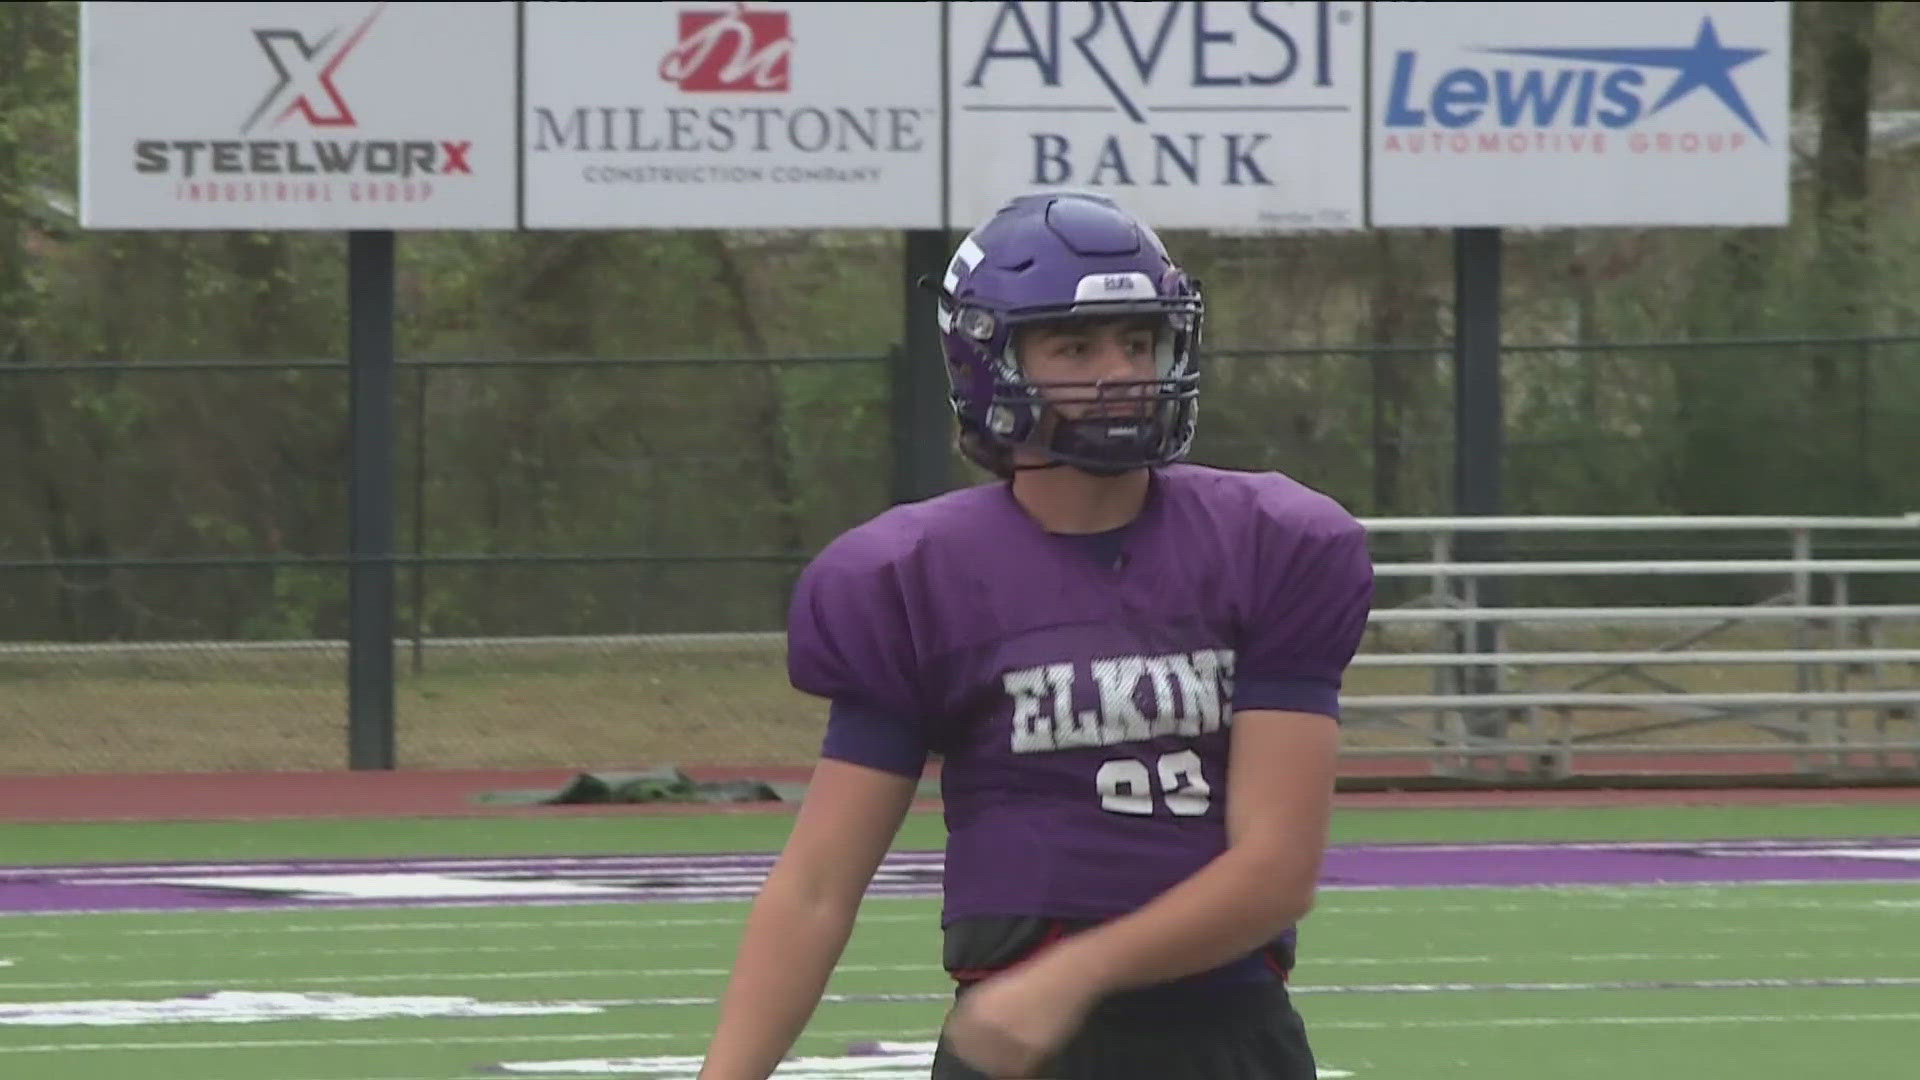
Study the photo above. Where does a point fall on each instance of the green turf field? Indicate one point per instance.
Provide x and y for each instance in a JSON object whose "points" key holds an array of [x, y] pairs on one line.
{"points": [[1616, 982]]}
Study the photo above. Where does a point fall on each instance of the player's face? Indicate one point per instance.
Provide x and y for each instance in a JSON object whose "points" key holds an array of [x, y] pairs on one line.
{"points": [[1089, 353]]}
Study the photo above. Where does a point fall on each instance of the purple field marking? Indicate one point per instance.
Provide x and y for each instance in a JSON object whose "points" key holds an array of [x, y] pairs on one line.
{"points": [[349, 883]]}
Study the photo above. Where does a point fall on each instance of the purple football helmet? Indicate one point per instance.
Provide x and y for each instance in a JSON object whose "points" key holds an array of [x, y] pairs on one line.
{"points": [[1066, 255]]}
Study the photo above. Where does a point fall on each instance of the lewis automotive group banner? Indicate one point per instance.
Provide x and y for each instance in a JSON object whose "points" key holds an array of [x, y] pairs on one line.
{"points": [[1580, 114], [297, 116], [1233, 115]]}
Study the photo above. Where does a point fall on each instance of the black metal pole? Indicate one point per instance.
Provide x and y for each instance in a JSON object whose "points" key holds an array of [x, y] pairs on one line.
{"points": [[370, 524], [1476, 353], [922, 412], [419, 515], [1479, 425]]}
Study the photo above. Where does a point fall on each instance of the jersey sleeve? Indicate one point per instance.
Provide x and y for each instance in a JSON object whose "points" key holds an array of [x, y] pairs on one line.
{"points": [[1312, 590], [849, 641]]}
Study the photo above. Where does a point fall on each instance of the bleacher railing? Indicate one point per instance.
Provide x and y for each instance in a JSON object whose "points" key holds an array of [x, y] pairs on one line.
{"points": [[1802, 672]]}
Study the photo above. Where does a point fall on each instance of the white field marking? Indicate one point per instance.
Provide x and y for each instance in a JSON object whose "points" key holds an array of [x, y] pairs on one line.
{"points": [[241, 1007], [1681, 846], [1609, 898], [1852, 929], [1795, 1019], [290, 1044], [1325, 907], [1655, 897], [888, 1061], [1584, 891], [556, 864], [1400, 911], [1838, 983], [405, 927], [425, 950], [405, 888], [1650, 888], [734, 861], [286, 907], [411, 905], [881, 997], [441, 976], [1309, 962], [1331, 1025]]}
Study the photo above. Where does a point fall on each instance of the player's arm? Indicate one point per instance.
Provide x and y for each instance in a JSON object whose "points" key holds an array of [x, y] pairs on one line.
{"points": [[804, 915], [1280, 783], [1283, 764], [848, 642]]}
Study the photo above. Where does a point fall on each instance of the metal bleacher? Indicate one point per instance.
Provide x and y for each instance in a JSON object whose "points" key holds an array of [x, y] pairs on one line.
{"points": [[1790, 670]]}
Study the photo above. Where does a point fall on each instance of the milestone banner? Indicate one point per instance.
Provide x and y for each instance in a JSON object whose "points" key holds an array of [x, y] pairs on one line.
{"points": [[722, 115]]}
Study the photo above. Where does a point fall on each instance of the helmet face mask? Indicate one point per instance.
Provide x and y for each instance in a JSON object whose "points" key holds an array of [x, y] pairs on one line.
{"points": [[1073, 265]]}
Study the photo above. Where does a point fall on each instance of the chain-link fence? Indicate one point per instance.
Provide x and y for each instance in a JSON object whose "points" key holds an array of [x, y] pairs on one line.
{"points": [[594, 556]]}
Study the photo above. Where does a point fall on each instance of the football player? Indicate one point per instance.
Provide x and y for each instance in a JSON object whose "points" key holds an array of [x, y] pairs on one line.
{"points": [[1128, 665]]}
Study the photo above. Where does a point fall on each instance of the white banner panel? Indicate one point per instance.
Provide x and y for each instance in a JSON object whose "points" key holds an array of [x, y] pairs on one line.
{"points": [[1580, 114], [297, 116], [701, 114], [1228, 115]]}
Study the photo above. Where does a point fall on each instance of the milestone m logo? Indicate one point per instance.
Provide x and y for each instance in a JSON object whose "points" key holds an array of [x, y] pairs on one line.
{"points": [[737, 51]]}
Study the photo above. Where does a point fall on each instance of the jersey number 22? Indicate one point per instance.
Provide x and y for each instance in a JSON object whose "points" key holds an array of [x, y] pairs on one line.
{"points": [[1126, 786]]}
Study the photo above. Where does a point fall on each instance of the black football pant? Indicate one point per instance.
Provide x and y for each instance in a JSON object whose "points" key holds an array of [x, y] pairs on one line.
{"points": [[1249, 1032]]}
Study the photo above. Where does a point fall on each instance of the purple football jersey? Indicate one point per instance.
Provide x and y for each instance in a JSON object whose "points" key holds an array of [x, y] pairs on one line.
{"points": [[1081, 703]]}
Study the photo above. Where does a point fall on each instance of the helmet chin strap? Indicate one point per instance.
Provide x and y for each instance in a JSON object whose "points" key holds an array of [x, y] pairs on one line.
{"points": [[1085, 467], [1087, 463]]}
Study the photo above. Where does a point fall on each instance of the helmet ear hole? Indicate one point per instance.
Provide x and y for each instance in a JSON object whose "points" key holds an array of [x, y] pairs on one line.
{"points": [[977, 323]]}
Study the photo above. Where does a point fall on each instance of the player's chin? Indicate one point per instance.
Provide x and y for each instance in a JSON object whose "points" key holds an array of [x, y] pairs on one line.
{"points": [[1122, 413]]}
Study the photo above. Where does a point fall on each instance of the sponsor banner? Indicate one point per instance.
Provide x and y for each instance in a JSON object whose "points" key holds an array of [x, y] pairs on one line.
{"points": [[297, 116], [1217, 115], [1580, 114], [1232, 116], [703, 114]]}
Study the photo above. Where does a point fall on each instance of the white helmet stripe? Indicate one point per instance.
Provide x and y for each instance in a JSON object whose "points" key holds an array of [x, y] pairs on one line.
{"points": [[966, 258]]}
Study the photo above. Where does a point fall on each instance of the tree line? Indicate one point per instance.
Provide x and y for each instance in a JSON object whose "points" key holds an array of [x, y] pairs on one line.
{"points": [[718, 401]]}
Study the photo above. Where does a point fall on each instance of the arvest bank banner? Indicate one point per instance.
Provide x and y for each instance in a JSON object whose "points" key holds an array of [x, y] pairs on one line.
{"points": [[703, 114], [1580, 114], [297, 116], [1230, 115]]}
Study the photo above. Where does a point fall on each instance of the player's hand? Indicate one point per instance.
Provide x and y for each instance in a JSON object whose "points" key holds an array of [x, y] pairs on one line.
{"points": [[1009, 1025]]}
